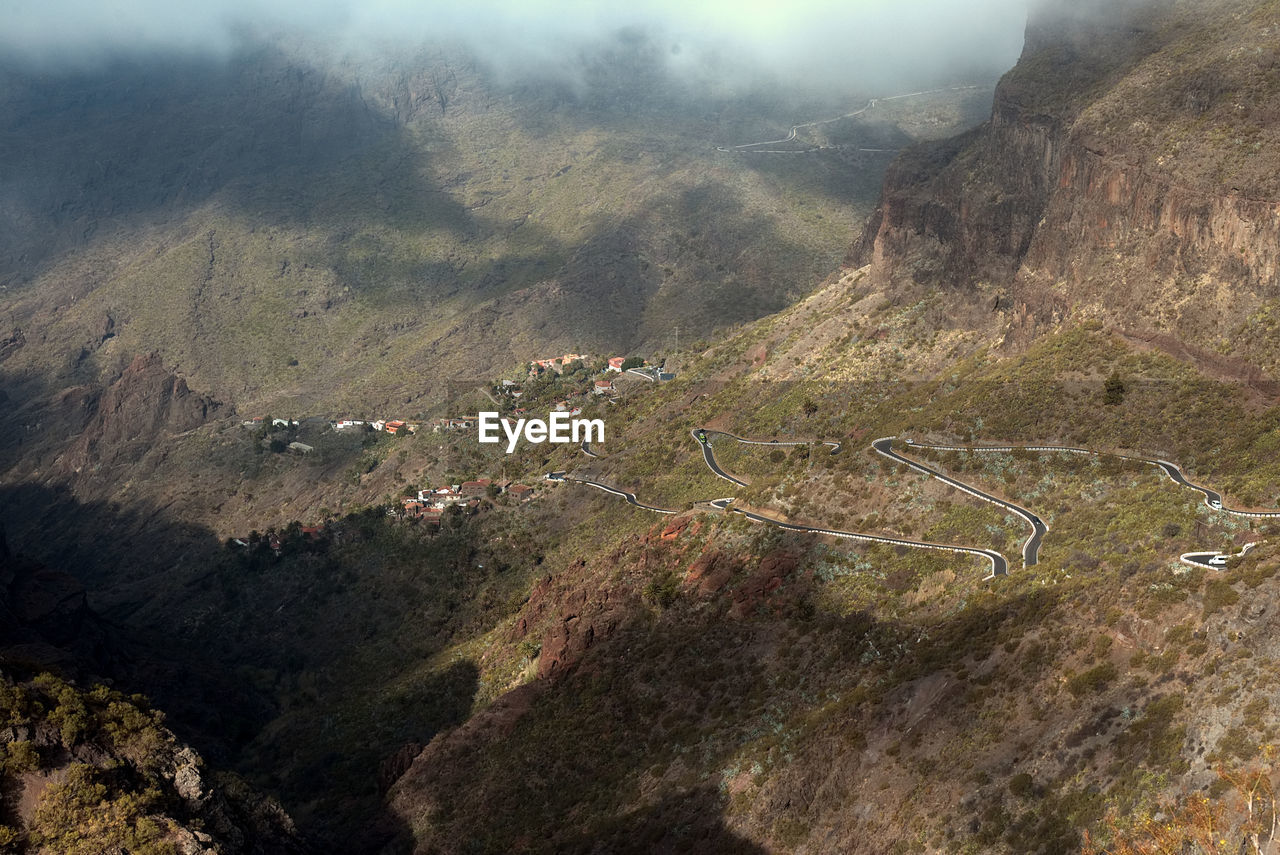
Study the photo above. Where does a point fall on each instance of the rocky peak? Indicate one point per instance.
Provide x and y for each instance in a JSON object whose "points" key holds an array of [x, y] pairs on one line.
{"points": [[144, 403]]}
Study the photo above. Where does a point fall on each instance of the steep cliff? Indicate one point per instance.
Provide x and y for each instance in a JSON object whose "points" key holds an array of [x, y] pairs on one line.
{"points": [[94, 771], [146, 401], [1127, 172]]}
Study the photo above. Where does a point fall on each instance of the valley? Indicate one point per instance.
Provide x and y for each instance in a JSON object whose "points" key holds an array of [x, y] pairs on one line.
{"points": [[934, 508]]}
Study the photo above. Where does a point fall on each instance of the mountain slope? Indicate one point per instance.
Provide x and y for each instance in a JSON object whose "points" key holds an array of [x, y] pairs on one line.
{"points": [[1125, 174], [290, 227]]}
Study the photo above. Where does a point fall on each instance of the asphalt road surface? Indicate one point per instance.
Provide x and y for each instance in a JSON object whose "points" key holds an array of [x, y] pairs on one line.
{"points": [[1030, 548], [999, 565], [1212, 560], [630, 497], [1212, 498], [708, 456]]}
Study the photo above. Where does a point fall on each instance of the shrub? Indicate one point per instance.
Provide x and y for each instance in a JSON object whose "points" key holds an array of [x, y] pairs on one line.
{"points": [[1022, 785], [662, 590], [1093, 680], [1217, 594]]}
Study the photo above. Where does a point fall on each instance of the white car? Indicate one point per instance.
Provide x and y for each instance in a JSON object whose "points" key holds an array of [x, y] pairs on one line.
{"points": [[1215, 504], [1219, 560]]}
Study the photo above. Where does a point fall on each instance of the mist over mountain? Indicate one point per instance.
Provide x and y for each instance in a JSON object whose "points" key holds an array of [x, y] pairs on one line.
{"points": [[815, 45], [942, 518]]}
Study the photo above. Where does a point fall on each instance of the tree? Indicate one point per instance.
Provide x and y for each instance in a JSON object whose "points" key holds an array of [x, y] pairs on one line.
{"points": [[809, 406], [1247, 821], [1113, 390], [632, 362]]}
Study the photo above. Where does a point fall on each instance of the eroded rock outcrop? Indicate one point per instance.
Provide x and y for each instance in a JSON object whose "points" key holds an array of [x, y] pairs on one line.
{"points": [[99, 765], [146, 402], [1112, 180]]}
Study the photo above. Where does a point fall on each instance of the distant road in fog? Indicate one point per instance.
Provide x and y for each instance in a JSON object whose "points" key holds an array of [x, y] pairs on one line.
{"points": [[754, 148]]}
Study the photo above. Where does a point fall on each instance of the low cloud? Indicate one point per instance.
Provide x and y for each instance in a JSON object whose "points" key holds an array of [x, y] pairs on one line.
{"points": [[813, 43]]}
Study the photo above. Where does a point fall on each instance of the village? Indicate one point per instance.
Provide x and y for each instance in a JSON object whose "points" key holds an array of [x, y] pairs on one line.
{"points": [[430, 505]]}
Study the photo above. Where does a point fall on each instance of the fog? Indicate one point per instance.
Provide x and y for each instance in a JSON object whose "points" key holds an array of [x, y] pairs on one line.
{"points": [[869, 45]]}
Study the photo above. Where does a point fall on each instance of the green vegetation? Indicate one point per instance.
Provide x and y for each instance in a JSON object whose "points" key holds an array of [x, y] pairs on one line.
{"points": [[110, 765]]}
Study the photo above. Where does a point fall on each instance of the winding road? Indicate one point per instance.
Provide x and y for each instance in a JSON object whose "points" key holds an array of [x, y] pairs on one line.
{"points": [[754, 148], [630, 497], [1030, 548], [884, 447], [999, 564], [1212, 560], [1212, 498], [708, 456]]}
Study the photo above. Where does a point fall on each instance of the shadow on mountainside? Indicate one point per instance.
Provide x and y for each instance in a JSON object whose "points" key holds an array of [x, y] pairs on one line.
{"points": [[685, 823], [656, 727], [309, 669], [135, 141]]}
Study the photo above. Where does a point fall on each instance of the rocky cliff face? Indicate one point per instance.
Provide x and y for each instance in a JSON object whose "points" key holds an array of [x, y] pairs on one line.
{"points": [[146, 402], [1123, 174], [92, 770]]}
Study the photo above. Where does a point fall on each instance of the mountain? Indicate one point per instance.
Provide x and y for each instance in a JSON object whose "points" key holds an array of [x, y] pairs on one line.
{"points": [[577, 672], [292, 226], [1125, 174], [717, 686]]}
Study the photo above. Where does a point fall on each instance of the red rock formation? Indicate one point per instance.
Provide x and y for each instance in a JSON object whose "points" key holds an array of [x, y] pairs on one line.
{"points": [[768, 576], [584, 620], [710, 572], [675, 528]]}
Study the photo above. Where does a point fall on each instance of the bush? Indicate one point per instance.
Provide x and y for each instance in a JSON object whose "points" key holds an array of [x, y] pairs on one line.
{"points": [[1093, 680], [1022, 785], [1217, 594], [1113, 390], [662, 590], [20, 757]]}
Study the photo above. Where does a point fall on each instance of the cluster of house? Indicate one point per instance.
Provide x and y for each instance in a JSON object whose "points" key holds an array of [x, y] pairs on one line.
{"points": [[259, 421], [556, 363], [559, 363], [392, 426], [430, 505]]}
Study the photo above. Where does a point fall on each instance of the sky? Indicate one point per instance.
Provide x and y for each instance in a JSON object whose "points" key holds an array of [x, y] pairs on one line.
{"points": [[791, 39]]}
